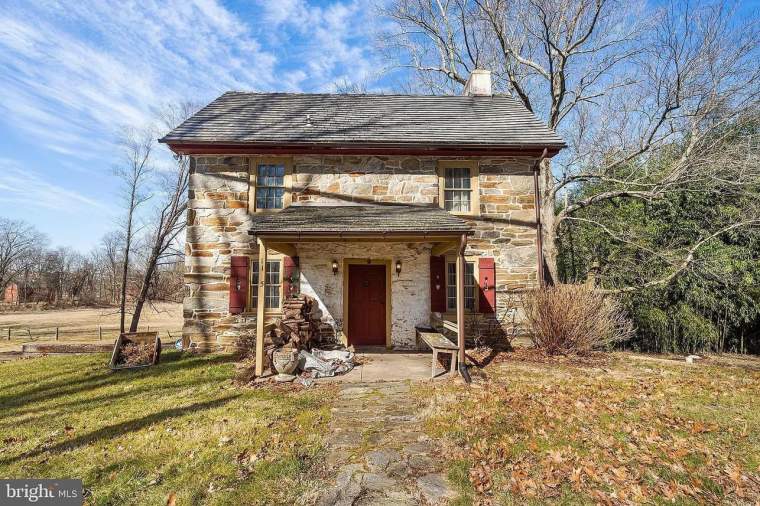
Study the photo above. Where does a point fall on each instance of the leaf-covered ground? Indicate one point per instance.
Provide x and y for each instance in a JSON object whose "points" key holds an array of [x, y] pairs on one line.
{"points": [[622, 431], [179, 429]]}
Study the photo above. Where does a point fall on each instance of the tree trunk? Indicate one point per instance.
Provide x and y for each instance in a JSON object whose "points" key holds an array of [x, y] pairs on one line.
{"points": [[125, 267], [124, 272], [549, 224], [142, 297]]}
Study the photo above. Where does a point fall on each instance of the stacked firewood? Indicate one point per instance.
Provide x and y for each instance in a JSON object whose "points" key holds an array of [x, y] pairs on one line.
{"points": [[299, 326]]}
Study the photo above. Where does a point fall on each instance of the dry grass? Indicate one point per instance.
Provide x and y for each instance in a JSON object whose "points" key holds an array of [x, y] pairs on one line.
{"points": [[623, 431], [81, 325]]}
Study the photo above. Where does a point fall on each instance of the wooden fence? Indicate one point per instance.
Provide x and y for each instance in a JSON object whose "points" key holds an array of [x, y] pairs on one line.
{"points": [[100, 333]]}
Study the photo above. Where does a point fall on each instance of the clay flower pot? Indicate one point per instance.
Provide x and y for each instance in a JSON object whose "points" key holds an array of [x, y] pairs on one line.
{"points": [[285, 362]]}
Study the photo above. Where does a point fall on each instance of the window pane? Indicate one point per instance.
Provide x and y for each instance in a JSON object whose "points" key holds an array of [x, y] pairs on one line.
{"points": [[272, 287], [278, 193], [451, 285], [457, 200], [254, 283], [469, 286], [273, 272], [270, 182], [261, 199], [457, 189]]}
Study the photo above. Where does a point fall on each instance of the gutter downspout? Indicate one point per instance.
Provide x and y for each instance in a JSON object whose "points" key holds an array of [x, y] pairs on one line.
{"points": [[539, 225], [460, 300]]}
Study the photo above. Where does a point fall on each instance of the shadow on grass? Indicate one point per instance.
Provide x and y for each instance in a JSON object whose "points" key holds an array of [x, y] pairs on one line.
{"points": [[98, 402], [38, 381], [122, 428], [101, 377]]}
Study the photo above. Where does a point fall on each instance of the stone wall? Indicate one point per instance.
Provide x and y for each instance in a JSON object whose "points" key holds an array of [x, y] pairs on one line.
{"points": [[218, 221], [410, 290]]}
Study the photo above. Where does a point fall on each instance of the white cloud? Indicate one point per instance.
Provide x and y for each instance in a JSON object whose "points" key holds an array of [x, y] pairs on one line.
{"points": [[72, 72], [83, 68], [27, 188], [334, 42]]}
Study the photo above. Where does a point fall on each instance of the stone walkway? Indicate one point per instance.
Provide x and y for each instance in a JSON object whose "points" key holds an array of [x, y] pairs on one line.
{"points": [[378, 454]]}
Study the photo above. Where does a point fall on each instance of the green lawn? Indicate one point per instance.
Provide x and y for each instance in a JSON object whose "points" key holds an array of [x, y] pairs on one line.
{"points": [[626, 431], [136, 437]]}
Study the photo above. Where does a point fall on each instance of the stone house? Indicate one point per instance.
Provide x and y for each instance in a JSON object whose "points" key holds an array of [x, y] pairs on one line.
{"points": [[384, 208]]}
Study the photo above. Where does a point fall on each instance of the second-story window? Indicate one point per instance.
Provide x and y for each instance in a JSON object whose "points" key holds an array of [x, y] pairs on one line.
{"points": [[457, 191], [270, 186]]}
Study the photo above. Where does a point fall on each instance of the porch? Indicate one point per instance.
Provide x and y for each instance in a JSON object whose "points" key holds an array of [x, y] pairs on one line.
{"points": [[368, 268], [380, 364]]}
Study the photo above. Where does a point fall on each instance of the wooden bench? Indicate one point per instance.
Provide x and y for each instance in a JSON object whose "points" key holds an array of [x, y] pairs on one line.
{"points": [[439, 344]]}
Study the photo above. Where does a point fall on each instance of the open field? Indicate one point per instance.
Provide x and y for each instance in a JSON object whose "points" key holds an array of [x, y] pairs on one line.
{"points": [[81, 325], [135, 437], [624, 431]]}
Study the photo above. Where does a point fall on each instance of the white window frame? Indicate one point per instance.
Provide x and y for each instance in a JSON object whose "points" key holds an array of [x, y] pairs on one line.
{"points": [[472, 167], [254, 288], [450, 260]]}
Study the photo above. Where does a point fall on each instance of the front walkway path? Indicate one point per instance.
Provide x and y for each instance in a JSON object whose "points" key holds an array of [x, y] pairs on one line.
{"points": [[377, 452]]}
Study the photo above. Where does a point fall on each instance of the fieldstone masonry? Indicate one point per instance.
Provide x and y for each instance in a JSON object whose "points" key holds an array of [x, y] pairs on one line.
{"points": [[218, 222]]}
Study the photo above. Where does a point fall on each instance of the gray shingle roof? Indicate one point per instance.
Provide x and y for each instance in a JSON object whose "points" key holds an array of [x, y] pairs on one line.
{"points": [[358, 220], [281, 118]]}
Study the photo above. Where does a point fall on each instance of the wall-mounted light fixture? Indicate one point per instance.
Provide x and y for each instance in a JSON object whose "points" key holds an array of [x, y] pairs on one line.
{"points": [[335, 267], [398, 267]]}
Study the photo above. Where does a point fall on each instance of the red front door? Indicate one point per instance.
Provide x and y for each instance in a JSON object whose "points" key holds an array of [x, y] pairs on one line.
{"points": [[366, 305]]}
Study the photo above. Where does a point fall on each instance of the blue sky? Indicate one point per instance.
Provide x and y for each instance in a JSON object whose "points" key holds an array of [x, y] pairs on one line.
{"points": [[72, 73]]}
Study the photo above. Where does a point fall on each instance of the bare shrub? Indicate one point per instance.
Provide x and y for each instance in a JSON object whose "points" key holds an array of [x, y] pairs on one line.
{"points": [[574, 320]]}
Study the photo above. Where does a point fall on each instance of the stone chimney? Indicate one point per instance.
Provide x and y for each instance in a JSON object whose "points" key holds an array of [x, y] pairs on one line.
{"points": [[479, 84]]}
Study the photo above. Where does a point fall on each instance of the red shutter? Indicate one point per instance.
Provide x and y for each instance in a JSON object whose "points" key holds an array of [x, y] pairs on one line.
{"points": [[289, 271], [438, 284], [238, 284], [487, 284]]}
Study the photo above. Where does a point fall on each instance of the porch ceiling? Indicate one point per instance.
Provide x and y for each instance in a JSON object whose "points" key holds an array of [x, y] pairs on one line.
{"points": [[379, 222]]}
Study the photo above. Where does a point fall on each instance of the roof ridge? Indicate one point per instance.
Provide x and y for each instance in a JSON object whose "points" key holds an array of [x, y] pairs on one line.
{"points": [[326, 94]]}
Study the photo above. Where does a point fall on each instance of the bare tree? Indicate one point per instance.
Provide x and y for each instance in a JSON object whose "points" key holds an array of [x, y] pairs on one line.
{"points": [[622, 83], [110, 254], [18, 241], [167, 220], [134, 170]]}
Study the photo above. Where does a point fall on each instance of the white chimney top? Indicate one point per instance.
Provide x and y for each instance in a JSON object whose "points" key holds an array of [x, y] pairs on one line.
{"points": [[478, 84]]}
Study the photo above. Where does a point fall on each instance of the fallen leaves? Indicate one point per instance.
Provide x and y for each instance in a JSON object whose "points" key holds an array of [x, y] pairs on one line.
{"points": [[624, 436]]}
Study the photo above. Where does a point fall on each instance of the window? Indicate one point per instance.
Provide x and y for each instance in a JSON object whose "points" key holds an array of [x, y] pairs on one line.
{"points": [[458, 186], [272, 287], [457, 192], [469, 286], [270, 186]]}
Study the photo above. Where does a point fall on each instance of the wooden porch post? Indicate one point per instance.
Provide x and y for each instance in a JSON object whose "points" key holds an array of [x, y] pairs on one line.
{"points": [[460, 297], [261, 302]]}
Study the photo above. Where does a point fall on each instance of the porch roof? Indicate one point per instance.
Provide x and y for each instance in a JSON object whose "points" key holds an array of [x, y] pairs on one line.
{"points": [[359, 220]]}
